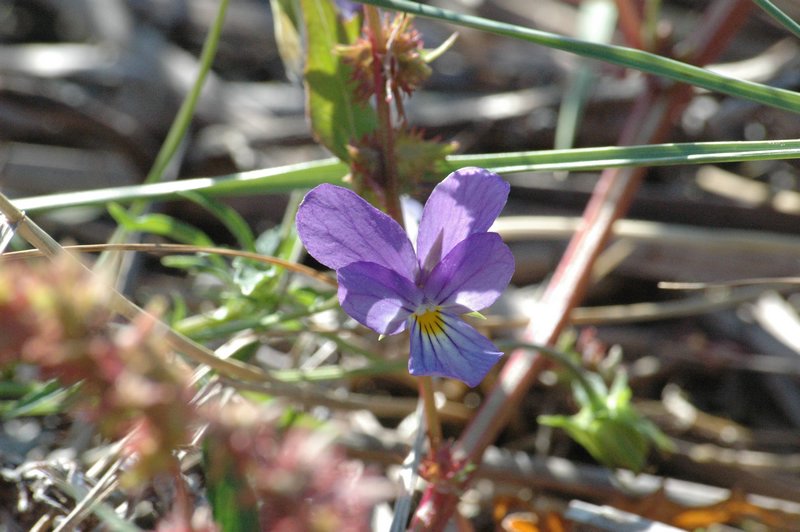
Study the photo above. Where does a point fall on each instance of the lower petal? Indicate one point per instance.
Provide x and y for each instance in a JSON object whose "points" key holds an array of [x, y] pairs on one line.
{"points": [[444, 345]]}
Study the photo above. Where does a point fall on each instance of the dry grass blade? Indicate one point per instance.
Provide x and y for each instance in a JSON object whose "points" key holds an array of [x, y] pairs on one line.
{"points": [[182, 248], [45, 244]]}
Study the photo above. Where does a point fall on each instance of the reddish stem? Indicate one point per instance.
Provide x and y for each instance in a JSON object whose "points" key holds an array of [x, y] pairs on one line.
{"points": [[720, 23], [385, 129], [630, 23]]}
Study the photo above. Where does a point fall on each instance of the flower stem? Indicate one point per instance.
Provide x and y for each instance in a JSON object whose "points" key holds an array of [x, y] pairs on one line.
{"points": [[391, 189], [431, 414], [385, 129]]}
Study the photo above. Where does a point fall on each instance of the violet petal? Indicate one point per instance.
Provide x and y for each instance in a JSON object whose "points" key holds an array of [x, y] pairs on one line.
{"points": [[446, 346], [377, 297], [473, 275], [466, 202], [338, 227]]}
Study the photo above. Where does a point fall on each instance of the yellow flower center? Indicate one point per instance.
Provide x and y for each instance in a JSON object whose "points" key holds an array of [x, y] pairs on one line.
{"points": [[430, 321]]}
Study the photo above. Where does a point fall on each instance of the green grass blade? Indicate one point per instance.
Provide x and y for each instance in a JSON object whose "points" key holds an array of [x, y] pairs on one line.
{"points": [[671, 154], [40, 400], [618, 55], [177, 131], [180, 125], [232, 500], [6, 233], [306, 175], [266, 181], [596, 22], [776, 13], [337, 372]]}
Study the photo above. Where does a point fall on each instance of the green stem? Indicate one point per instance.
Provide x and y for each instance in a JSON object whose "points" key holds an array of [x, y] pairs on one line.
{"points": [[566, 362], [431, 414]]}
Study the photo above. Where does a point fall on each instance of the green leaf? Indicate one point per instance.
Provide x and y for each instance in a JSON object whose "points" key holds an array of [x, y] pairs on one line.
{"points": [[231, 219], [167, 226], [255, 279], [286, 20], [264, 181], [337, 119], [194, 263], [609, 427], [290, 247], [180, 125], [580, 159], [336, 372], [40, 400], [179, 309], [161, 225], [265, 283], [232, 501], [183, 119]]}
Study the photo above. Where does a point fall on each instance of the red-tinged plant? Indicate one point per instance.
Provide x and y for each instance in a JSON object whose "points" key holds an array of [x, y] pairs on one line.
{"points": [[400, 60], [58, 321], [296, 477]]}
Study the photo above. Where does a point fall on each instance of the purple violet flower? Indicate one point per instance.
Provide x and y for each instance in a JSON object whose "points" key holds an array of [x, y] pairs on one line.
{"points": [[384, 283]]}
